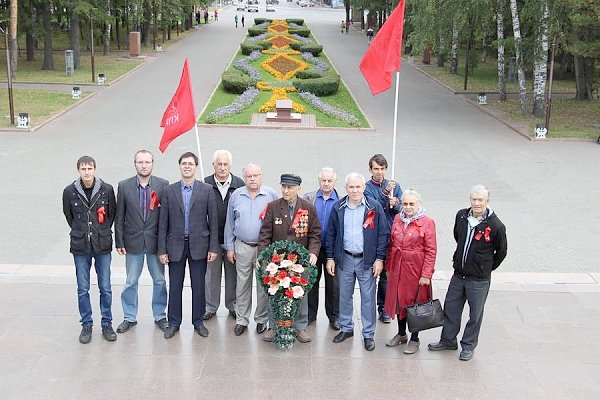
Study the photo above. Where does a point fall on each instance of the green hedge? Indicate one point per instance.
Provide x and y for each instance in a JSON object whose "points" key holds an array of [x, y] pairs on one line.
{"points": [[326, 85], [254, 31], [235, 82], [309, 74], [313, 48], [248, 47], [298, 21], [300, 30], [258, 21]]}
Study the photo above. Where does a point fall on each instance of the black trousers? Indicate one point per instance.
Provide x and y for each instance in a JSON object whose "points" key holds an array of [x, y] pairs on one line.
{"points": [[197, 277], [381, 289], [332, 292]]}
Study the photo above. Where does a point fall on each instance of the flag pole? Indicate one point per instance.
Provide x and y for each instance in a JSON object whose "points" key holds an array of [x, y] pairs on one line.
{"points": [[199, 154], [395, 126]]}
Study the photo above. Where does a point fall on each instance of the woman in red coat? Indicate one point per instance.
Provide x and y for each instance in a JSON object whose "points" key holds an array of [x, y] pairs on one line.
{"points": [[410, 263]]}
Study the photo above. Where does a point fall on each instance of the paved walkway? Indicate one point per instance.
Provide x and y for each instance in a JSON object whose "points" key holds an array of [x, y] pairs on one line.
{"points": [[539, 337]]}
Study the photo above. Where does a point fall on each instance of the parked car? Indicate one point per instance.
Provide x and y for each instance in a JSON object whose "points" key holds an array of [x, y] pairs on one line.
{"points": [[241, 7], [252, 8], [303, 3], [270, 8]]}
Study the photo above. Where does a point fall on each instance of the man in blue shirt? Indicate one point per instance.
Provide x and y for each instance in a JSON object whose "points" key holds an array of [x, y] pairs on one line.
{"points": [[245, 213], [323, 200], [388, 194], [356, 245]]}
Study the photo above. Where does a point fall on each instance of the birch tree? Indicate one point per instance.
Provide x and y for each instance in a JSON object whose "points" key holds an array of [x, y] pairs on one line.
{"points": [[500, 30], [520, 72], [12, 41], [540, 64]]}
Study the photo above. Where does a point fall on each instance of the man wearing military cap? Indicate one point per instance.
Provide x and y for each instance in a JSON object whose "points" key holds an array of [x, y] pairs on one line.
{"points": [[279, 225]]}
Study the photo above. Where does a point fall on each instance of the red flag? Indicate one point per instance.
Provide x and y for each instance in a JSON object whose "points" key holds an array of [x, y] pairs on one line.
{"points": [[383, 55], [180, 116]]}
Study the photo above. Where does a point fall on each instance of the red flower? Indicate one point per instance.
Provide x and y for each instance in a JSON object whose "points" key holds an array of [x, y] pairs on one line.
{"points": [[267, 280], [289, 293], [282, 274], [276, 258], [292, 257], [274, 280], [296, 279], [303, 281]]}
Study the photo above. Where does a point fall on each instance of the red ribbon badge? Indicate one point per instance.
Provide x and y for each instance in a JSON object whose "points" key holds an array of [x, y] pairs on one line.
{"points": [[369, 221], [101, 213], [299, 214], [263, 213], [154, 201], [486, 235]]}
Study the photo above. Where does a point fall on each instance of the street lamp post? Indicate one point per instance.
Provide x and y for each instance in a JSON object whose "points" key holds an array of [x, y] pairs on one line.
{"points": [[9, 78]]}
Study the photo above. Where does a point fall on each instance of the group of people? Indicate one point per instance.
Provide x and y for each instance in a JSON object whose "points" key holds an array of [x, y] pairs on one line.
{"points": [[374, 234]]}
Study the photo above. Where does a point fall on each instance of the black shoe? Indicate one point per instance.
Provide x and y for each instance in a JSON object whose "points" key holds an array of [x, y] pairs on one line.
{"points": [[439, 346], [384, 317], [232, 314], [162, 324], [208, 315], [334, 325], [369, 344], [238, 330], [125, 326], [261, 328], [466, 355], [201, 330], [86, 334], [170, 331], [108, 333], [340, 337]]}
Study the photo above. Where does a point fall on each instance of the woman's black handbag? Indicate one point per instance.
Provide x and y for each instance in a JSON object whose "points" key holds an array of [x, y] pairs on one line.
{"points": [[427, 315]]}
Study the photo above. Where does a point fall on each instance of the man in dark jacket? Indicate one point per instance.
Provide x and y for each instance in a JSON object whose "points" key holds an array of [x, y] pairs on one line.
{"points": [[481, 247], [357, 240], [223, 183], [89, 206]]}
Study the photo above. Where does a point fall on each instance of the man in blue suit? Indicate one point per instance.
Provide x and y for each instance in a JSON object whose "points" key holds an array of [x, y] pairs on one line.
{"points": [[188, 230], [357, 241]]}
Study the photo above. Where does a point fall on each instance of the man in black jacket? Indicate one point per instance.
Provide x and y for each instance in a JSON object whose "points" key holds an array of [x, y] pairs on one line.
{"points": [[223, 183], [89, 206], [481, 247]]}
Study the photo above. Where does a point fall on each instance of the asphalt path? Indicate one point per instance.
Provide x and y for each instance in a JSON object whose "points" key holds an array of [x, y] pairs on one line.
{"points": [[546, 193]]}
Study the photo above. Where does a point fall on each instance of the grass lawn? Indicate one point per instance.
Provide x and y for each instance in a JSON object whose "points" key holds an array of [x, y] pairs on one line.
{"points": [[342, 99], [39, 104], [569, 118]]}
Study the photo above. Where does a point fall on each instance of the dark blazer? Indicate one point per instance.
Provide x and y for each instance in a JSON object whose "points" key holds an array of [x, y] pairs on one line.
{"points": [[203, 223], [278, 211], [131, 231]]}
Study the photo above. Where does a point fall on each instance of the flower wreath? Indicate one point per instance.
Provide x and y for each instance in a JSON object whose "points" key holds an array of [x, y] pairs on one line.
{"points": [[285, 274]]}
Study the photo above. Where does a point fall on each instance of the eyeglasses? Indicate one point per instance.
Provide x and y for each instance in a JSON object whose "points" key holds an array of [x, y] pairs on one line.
{"points": [[187, 164], [411, 204], [254, 176]]}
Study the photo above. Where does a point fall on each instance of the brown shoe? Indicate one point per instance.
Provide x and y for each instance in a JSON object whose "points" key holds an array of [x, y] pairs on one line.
{"points": [[412, 347], [269, 335], [303, 337], [397, 340]]}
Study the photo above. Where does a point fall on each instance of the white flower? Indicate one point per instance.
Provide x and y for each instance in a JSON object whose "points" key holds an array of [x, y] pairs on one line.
{"points": [[273, 290], [298, 292], [271, 268], [285, 264], [285, 282], [298, 268]]}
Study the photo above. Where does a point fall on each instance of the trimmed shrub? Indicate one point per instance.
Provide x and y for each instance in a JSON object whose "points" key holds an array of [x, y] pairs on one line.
{"points": [[297, 21], [308, 74], [248, 47], [235, 82], [326, 85], [258, 21], [299, 30], [254, 31], [313, 48]]}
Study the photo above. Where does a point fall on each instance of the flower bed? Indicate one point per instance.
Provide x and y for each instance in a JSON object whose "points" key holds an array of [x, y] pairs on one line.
{"points": [[244, 65], [319, 64], [237, 106], [329, 109]]}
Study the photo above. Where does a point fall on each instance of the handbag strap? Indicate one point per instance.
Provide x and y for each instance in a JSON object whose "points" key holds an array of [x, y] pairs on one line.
{"points": [[429, 294]]}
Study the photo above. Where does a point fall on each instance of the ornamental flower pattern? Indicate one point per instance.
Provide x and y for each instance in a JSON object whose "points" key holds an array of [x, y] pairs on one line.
{"points": [[329, 109]]}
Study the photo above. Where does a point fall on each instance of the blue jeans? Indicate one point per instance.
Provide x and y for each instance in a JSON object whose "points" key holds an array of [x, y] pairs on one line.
{"points": [[83, 265], [134, 263], [351, 270]]}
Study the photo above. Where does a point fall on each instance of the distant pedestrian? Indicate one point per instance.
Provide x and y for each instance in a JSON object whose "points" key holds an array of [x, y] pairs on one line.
{"points": [[342, 26], [198, 16], [242, 21], [216, 15], [206, 17], [370, 34], [236, 20], [347, 26]]}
